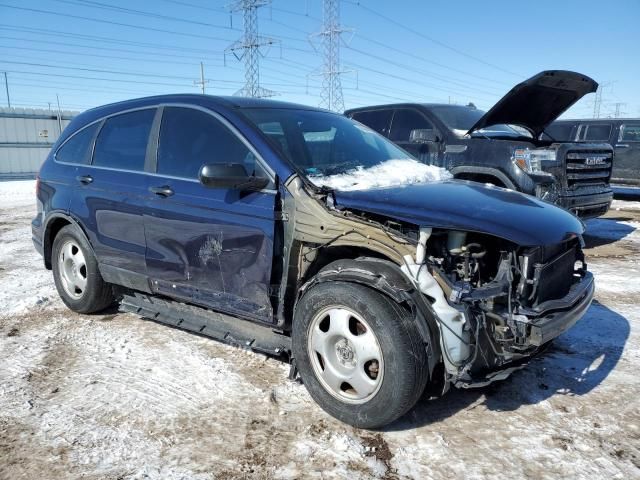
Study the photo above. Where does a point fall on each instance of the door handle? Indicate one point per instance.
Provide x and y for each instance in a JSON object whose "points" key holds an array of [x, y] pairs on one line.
{"points": [[622, 145], [84, 179], [163, 191]]}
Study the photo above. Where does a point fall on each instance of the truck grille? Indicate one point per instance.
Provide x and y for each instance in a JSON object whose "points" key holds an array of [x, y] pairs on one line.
{"points": [[588, 168]]}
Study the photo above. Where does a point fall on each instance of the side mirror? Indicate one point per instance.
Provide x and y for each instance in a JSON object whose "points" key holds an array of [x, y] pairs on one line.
{"points": [[230, 175], [423, 135]]}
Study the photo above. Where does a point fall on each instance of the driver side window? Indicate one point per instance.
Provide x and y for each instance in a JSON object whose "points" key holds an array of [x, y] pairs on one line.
{"points": [[190, 138], [405, 120]]}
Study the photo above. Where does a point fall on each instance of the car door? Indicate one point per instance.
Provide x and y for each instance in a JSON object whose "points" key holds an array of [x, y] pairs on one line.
{"points": [[111, 191], [404, 121], [626, 163], [209, 246]]}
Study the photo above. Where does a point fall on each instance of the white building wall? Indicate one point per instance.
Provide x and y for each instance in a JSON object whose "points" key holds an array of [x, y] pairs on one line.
{"points": [[26, 136]]}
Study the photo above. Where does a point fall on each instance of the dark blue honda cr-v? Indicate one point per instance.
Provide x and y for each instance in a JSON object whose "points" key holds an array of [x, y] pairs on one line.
{"points": [[372, 273]]}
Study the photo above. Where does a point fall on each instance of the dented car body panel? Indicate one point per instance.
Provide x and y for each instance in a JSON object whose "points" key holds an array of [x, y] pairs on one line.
{"points": [[488, 275]]}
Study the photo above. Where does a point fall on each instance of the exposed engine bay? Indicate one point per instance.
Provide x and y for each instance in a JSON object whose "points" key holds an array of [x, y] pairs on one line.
{"points": [[490, 296]]}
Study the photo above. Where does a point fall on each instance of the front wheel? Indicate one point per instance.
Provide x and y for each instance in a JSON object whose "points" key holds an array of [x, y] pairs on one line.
{"points": [[359, 353]]}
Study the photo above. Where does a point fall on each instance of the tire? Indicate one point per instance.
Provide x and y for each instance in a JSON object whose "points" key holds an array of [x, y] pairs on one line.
{"points": [[76, 273], [338, 330]]}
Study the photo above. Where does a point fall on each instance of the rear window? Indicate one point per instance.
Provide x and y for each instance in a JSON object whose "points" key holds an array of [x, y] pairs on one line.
{"points": [[631, 133], [122, 141], [77, 149]]}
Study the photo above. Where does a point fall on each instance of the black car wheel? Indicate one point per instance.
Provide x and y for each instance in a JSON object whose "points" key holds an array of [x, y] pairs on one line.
{"points": [[359, 353]]}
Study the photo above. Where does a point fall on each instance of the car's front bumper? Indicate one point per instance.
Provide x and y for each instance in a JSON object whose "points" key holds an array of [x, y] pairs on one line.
{"points": [[554, 317], [543, 323]]}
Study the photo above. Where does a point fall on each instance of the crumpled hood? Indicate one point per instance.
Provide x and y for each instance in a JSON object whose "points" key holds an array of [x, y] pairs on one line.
{"points": [[537, 102], [468, 206]]}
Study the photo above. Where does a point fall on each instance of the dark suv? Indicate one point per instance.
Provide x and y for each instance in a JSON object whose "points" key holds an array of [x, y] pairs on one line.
{"points": [[502, 146], [623, 134], [372, 273]]}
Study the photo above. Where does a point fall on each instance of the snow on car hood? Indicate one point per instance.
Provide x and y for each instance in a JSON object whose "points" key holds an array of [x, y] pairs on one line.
{"points": [[468, 206], [391, 173]]}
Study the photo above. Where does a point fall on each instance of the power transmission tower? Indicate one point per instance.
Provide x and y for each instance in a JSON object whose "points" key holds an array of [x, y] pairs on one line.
{"points": [[202, 82], [619, 113], [250, 47], [597, 102], [6, 86], [331, 93]]}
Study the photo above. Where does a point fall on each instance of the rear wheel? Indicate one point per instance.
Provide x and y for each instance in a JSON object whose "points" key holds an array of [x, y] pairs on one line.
{"points": [[359, 353], [76, 274]]}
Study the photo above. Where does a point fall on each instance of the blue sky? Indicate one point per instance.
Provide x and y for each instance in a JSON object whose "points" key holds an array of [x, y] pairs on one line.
{"points": [[434, 51]]}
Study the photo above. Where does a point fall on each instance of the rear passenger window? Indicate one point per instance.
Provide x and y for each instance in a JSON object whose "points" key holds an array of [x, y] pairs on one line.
{"points": [[596, 133], [190, 138], [406, 120], [378, 120], [122, 141], [77, 149], [631, 133]]}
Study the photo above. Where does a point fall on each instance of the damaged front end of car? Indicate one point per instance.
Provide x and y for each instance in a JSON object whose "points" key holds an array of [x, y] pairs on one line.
{"points": [[497, 303], [485, 303]]}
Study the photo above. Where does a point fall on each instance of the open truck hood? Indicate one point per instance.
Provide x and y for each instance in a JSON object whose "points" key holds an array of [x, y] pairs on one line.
{"points": [[468, 206], [535, 103]]}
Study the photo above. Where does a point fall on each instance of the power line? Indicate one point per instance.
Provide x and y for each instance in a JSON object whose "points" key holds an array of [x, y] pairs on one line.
{"points": [[431, 39], [101, 39], [130, 11], [109, 22]]}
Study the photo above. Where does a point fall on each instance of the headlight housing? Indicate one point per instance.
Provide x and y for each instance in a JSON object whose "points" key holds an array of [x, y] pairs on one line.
{"points": [[530, 160]]}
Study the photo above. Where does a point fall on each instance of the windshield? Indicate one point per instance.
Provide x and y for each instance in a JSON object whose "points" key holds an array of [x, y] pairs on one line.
{"points": [[337, 152], [461, 118]]}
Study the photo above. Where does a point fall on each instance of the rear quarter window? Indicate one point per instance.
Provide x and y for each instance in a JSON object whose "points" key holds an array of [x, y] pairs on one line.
{"points": [[122, 141], [77, 149]]}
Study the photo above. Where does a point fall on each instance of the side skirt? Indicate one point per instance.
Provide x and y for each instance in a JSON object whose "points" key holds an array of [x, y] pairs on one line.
{"points": [[233, 331]]}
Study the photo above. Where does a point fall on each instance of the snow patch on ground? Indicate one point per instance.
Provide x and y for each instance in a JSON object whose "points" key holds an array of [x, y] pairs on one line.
{"points": [[391, 173], [17, 193]]}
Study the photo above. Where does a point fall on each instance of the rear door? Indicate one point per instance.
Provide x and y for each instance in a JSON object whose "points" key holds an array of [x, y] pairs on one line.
{"points": [[209, 246], [404, 121], [111, 191], [626, 163]]}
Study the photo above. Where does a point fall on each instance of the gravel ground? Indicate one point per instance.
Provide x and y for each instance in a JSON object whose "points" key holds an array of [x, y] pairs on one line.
{"points": [[113, 396]]}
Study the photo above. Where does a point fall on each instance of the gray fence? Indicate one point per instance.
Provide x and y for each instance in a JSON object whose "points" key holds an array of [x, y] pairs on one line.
{"points": [[26, 136]]}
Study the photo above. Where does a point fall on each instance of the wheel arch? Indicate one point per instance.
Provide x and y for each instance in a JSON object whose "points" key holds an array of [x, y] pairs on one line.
{"points": [[56, 222], [484, 175]]}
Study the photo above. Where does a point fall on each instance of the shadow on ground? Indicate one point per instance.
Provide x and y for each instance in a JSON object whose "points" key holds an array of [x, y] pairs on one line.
{"points": [[603, 231], [575, 364]]}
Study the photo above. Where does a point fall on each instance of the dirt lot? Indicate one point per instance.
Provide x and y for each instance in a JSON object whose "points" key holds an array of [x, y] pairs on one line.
{"points": [[112, 396]]}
